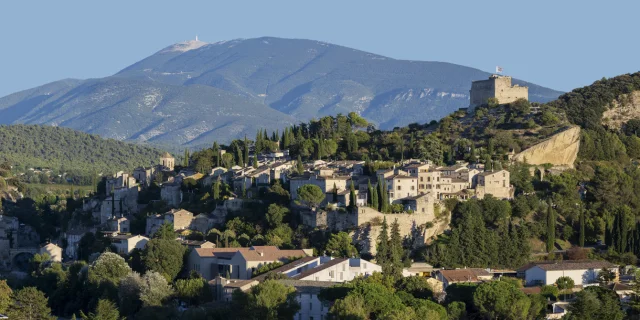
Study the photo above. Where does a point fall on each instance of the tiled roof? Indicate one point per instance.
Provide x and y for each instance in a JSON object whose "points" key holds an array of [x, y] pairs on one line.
{"points": [[319, 268], [463, 275], [574, 265]]}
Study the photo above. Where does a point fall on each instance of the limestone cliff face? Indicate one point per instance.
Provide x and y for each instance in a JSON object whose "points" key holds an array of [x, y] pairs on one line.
{"points": [[561, 149], [623, 109]]}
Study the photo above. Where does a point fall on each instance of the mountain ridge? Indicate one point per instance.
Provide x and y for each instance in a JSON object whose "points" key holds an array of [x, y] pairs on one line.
{"points": [[238, 86]]}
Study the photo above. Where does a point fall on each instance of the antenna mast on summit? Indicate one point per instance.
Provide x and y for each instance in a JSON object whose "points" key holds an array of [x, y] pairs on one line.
{"points": [[196, 37]]}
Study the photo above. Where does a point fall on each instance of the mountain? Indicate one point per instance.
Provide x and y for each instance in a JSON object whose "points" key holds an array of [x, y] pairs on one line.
{"points": [[192, 93], [67, 149]]}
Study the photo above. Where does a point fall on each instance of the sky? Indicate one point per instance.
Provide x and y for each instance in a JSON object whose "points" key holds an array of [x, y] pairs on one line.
{"points": [[558, 44]]}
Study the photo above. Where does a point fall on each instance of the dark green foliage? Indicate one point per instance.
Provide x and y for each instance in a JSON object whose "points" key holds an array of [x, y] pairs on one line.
{"points": [[339, 245], [77, 153], [105, 310], [595, 303], [501, 300], [30, 303], [311, 195], [164, 256], [551, 228], [269, 300]]}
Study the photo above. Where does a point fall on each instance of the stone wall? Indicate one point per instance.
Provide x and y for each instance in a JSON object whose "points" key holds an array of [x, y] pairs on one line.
{"points": [[365, 225], [560, 150]]}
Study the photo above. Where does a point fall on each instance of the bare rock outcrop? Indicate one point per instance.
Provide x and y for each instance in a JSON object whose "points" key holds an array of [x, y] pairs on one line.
{"points": [[560, 150], [621, 110]]}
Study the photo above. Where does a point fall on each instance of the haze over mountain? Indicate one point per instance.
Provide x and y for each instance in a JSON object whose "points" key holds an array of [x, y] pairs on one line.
{"points": [[192, 93]]}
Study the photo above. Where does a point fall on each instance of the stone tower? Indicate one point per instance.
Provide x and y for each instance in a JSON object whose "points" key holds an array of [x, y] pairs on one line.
{"points": [[167, 160], [498, 87]]}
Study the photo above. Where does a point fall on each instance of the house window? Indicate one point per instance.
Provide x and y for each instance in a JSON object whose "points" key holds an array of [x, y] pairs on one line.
{"points": [[341, 276], [399, 188], [331, 274], [310, 306], [421, 179], [413, 187]]}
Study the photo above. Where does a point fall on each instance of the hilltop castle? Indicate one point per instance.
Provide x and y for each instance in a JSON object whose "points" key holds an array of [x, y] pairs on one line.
{"points": [[498, 87]]}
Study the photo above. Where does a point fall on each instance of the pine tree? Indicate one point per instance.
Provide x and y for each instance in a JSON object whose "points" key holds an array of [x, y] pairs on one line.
{"points": [[382, 249], [185, 162], [551, 228], [369, 193]]}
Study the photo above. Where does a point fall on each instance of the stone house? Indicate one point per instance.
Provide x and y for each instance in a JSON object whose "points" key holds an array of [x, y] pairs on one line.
{"points": [[171, 193], [125, 243], [401, 187], [237, 263], [121, 225], [325, 183], [180, 218], [472, 275], [144, 175], [495, 183]]}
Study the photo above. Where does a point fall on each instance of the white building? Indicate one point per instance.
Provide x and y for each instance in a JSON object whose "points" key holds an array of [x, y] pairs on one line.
{"points": [[582, 272], [338, 270]]}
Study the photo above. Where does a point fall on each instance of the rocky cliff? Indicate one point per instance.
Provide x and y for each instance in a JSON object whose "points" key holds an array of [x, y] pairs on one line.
{"points": [[621, 110], [560, 150]]}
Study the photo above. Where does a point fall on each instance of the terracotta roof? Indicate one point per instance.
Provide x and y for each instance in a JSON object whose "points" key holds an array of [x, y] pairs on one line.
{"points": [[319, 268], [574, 265], [463, 275], [166, 155]]}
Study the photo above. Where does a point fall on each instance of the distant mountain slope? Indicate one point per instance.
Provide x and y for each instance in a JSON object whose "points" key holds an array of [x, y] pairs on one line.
{"points": [[193, 92], [67, 149]]}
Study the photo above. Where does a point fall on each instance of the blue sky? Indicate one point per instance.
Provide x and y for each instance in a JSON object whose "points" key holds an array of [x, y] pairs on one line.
{"points": [[558, 44]]}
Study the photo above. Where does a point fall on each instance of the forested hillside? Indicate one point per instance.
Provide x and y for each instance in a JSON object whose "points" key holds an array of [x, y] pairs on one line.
{"points": [[67, 150]]}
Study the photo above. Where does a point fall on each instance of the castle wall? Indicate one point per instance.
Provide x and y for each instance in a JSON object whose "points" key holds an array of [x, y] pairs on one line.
{"points": [[495, 87]]}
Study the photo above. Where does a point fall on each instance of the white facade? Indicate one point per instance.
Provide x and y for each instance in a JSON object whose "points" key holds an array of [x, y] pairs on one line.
{"points": [[536, 275], [126, 244], [340, 270]]}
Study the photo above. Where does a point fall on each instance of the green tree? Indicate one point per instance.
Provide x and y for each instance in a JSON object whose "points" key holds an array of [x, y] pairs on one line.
{"points": [[30, 303], [369, 193], [382, 249], [564, 284], [155, 289], [105, 310], [185, 161], [501, 300], [108, 268], [551, 228], [299, 166], [194, 291], [457, 310], [352, 307], [396, 252], [275, 215], [5, 296], [129, 294], [215, 190], [311, 195], [417, 286], [245, 146], [164, 256], [165, 231], [339, 245], [352, 197], [595, 303], [269, 300]]}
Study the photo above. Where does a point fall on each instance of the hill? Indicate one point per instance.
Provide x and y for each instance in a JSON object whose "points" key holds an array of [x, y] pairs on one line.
{"points": [[69, 150], [192, 93]]}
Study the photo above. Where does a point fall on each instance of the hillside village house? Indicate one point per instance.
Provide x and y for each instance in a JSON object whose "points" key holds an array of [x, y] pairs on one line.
{"points": [[238, 263], [582, 272], [471, 275], [54, 251], [180, 218], [125, 243], [326, 182]]}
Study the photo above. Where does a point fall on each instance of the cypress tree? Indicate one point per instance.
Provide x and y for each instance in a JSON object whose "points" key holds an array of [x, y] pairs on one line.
{"points": [[255, 161], [374, 198], [246, 150], [216, 190], [216, 151], [395, 251], [369, 193], [352, 197], [382, 249], [581, 238], [381, 195], [258, 144], [265, 136], [335, 193], [299, 166], [551, 228], [239, 160], [185, 162]]}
